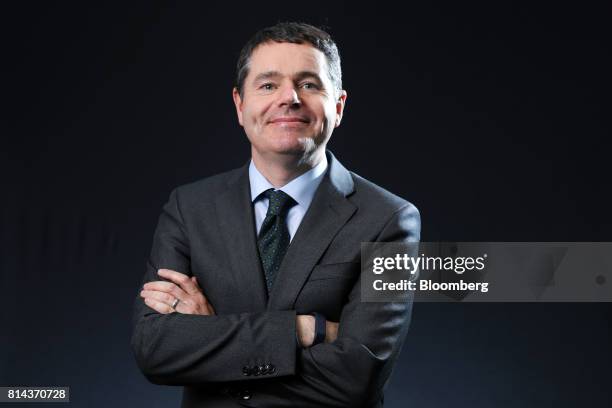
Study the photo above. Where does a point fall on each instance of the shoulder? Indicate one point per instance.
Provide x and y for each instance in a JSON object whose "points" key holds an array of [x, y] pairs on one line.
{"points": [[386, 209], [206, 189], [370, 195]]}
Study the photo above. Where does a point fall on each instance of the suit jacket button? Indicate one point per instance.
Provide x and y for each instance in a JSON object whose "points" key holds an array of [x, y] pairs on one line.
{"points": [[245, 394], [257, 370], [246, 370], [272, 369], [267, 369]]}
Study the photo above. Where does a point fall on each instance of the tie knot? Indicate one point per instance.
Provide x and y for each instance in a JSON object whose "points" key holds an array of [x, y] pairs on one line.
{"points": [[279, 203]]}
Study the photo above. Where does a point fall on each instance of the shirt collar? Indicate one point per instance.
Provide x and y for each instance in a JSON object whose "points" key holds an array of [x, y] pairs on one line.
{"points": [[301, 189]]}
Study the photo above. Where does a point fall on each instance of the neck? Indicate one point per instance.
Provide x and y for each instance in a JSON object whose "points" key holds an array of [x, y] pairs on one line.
{"points": [[281, 169]]}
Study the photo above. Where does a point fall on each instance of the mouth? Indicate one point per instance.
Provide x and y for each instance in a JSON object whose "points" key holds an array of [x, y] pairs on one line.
{"points": [[289, 120]]}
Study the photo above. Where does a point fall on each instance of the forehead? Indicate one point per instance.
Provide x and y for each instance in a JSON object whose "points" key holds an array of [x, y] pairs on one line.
{"points": [[286, 58]]}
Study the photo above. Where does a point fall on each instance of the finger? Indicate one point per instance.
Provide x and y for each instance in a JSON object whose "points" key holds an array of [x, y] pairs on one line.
{"points": [[162, 286], [159, 296], [180, 279], [168, 287], [158, 306], [186, 305], [331, 331]]}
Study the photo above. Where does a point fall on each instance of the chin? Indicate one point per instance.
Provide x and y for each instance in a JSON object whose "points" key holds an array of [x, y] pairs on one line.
{"points": [[292, 144]]}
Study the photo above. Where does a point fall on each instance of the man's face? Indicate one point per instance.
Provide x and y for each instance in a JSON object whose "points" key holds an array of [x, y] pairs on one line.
{"points": [[289, 105]]}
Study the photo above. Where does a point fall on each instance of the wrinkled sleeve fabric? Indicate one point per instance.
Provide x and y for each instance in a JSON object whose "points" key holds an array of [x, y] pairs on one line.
{"points": [[352, 371]]}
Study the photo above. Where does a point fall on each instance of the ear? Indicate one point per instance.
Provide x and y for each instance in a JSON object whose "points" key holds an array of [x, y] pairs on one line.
{"points": [[238, 104], [340, 103]]}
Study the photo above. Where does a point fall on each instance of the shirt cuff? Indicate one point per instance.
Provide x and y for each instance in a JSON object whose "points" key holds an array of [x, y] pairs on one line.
{"points": [[320, 321]]}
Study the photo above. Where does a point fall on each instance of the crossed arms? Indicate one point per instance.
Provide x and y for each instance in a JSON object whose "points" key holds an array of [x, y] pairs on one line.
{"points": [[185, 293], [193, 345]]}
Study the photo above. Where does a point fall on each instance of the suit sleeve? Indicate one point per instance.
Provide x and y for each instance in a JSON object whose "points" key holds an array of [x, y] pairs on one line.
{"points": [[182, 349], [352, 371]]}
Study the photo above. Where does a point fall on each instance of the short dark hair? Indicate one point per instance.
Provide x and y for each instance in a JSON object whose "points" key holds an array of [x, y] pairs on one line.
{"points": [[296, 33]]}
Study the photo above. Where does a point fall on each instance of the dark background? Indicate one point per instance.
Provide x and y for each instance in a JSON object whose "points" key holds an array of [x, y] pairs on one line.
{"points": [[492, 119]]}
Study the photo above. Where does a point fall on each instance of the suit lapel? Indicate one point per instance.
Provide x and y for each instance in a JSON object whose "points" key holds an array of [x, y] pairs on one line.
{"points": [[237, 225], [328, 212]]}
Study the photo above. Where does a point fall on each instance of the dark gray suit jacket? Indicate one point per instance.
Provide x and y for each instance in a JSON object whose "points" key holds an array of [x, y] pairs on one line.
{"points": [[247, 355]]}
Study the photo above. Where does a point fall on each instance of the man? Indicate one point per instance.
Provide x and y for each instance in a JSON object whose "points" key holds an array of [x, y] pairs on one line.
{"points": [[252, 291]]}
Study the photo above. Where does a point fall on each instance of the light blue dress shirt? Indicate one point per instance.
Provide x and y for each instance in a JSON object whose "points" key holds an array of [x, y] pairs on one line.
{"points": [[301, 189]]}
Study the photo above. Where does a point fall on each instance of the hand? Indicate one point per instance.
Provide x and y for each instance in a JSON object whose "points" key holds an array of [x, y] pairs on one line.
{"points": [[160, 295], [305, 327], [331, 331]]}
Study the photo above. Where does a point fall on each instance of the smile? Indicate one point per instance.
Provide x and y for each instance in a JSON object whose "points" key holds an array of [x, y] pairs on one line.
{"points": [[289, 120]]}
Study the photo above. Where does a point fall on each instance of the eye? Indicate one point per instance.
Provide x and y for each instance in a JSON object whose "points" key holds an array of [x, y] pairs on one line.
{"points": [[310, 85], [268, 86]]}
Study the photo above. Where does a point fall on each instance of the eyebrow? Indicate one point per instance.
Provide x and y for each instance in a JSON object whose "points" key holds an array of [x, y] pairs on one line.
{"points": [[275, 74], [266, 75], [308, 74]]}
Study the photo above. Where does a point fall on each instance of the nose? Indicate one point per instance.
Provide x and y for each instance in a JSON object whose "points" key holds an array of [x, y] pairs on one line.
{"points": [[288, 96]]}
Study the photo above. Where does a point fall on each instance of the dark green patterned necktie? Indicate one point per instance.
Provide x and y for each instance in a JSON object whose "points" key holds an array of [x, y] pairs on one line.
{"points": [[273, 239]]}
